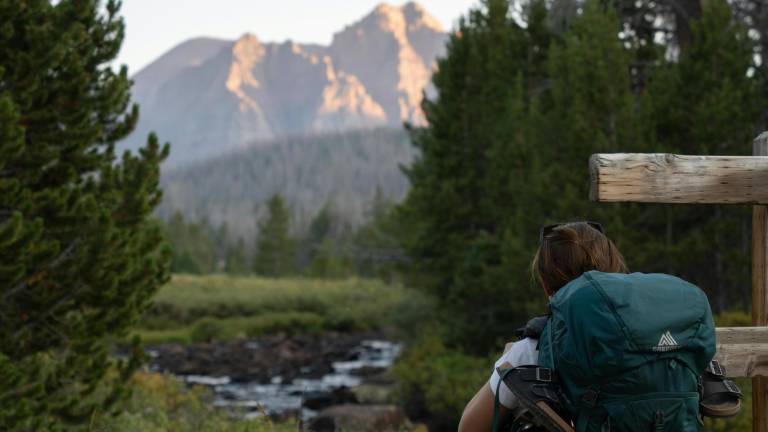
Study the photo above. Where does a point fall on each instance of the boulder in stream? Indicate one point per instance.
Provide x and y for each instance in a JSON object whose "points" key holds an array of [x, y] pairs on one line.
{"points": [[361, 418], [319, 400]]}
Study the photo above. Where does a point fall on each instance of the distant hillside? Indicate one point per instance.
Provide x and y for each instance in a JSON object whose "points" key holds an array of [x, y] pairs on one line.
{"points": [[209, 96], [345, 168]]}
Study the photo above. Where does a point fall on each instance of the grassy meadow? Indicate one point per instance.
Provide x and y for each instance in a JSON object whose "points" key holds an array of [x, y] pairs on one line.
{"points": [[219, 307]]}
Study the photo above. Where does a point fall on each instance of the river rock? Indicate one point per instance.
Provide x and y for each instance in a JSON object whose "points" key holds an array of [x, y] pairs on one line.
{"points": [[261, 359], [369, 371], [373, 394], [383, 378], [319, 400], [361, 418]]}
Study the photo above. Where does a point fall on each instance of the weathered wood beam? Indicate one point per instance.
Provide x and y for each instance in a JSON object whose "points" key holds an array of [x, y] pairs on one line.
{"points": [[668, 178], [742, 335], [760, 292], [743, 351], [744, 360]]}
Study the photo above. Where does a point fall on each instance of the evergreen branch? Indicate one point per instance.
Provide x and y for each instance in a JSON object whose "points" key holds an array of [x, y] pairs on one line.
{"points": [[53, 265], [17, 391], [50, 313]]}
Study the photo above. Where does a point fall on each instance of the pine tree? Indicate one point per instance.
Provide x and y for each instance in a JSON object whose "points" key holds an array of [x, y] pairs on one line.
{"points": [[706, 102], [221, 242], [237, 262], [194, 249], [328, 262], [376, 248], [320, 228], [275, 248], [591, 109], [323, 245], [455, 208], [80, 256], [539, 174]]}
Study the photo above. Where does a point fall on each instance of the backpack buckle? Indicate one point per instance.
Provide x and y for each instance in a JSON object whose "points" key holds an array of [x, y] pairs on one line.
{"points": [[732, 387], [543, 375], [715, 368]]}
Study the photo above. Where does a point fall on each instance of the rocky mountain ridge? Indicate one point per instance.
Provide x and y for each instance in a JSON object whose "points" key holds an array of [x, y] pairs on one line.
{"points": [[209, 96]]}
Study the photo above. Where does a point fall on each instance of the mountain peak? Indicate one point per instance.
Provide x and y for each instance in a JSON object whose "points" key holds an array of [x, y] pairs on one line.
{"points": [[248, 38], [248, 49], [417, 18], [384, 18], [386, 9], [407, 23], [412, 14], [209, 97]]}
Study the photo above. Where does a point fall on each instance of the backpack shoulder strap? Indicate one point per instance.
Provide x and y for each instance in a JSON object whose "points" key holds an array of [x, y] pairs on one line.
{"points": [[497, 402]]}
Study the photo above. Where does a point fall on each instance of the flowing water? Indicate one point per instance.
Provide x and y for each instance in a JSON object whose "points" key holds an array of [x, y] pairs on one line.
{"points": [[279, 397]]}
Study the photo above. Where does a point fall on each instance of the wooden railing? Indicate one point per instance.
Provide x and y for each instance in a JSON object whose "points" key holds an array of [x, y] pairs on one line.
{"points": [[668, 178], [743, 351]]}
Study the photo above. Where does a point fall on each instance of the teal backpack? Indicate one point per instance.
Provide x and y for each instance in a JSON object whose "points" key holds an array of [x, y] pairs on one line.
{"points": [[629, 349]]}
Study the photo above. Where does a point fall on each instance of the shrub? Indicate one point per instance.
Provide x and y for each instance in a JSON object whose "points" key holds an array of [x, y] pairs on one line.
{"points": [[438, 382], [733, 318], [162, 403], [207, 329], [288, 322], [414, 310]]}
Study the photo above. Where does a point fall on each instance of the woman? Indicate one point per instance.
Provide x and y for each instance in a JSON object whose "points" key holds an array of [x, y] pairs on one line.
{"points": [[565, 252]]}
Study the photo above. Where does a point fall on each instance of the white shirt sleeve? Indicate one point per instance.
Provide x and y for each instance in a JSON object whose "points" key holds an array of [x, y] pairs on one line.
{"points": [[523, 352]]}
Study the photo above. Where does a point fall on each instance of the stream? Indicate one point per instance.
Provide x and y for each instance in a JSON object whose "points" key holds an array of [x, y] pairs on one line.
{"points": [[280, 376]]}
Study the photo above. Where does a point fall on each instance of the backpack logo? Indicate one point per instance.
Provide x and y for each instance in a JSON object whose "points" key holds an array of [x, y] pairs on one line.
{"points": [[666, 343]]}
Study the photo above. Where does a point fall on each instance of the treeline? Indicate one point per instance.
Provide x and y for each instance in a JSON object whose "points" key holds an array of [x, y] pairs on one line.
{"points": [[329, 247], [520, 110], [308, 171]]}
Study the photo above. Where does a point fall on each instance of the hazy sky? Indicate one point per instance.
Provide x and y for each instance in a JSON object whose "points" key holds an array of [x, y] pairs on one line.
{"points": [[154, 26]]}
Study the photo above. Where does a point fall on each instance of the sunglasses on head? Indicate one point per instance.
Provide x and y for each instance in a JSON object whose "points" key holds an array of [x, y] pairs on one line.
{"points": [[547, 229]]}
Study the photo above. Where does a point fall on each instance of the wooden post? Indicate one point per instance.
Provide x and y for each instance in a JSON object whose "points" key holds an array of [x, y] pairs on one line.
{"points": [[759, 292]]}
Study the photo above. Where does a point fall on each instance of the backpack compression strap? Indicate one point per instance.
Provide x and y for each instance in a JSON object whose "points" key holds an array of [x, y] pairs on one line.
{"points": [[496, 401], [530, 374]]}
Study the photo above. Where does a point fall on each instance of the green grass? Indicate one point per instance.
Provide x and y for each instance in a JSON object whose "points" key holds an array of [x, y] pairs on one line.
{"points": [[197, 308], [733, 318]]}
